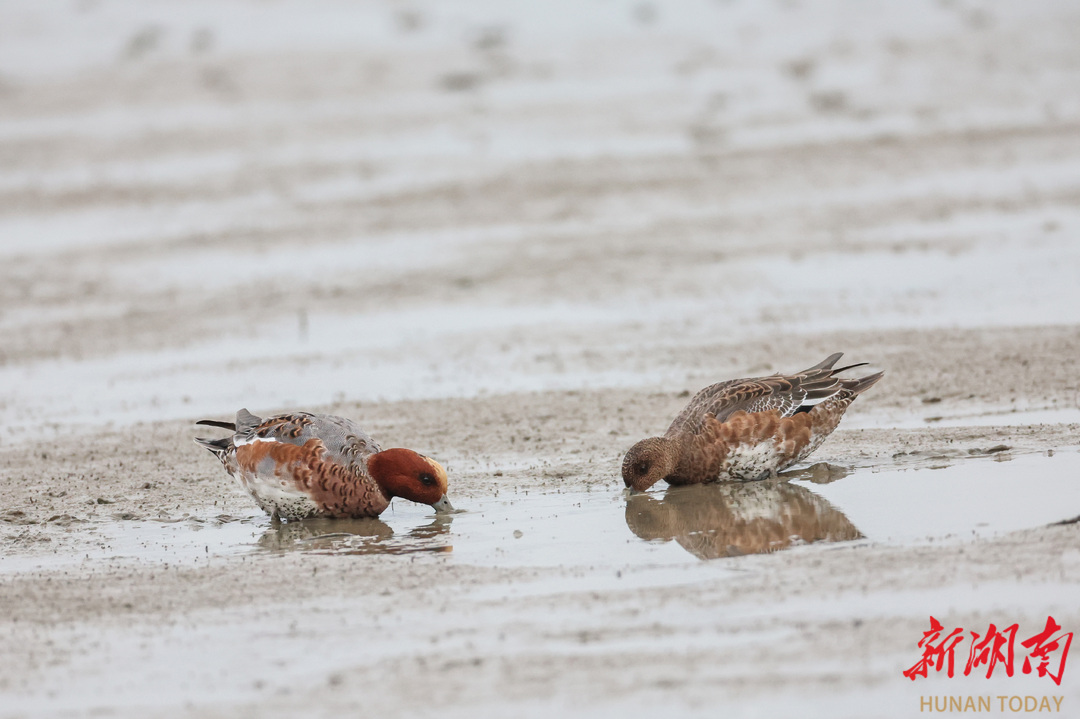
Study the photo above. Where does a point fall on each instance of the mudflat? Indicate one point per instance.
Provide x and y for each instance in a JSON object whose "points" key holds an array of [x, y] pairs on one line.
{"points": [[517, 240]]}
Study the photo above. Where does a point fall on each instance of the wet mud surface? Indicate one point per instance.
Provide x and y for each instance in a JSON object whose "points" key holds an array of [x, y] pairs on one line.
{"points": [[518, 241]]}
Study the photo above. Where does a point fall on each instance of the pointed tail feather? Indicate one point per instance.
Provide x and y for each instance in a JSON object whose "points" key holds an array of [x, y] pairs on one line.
{"points": [[217, 446], [850, 366], [858, 386], [827, 363], [215, 423]]}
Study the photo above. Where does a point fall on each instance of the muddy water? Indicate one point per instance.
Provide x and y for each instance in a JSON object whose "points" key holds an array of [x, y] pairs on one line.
{"points": [[663, 527]]}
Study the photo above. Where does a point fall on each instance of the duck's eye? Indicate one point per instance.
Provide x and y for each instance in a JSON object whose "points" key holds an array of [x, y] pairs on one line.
{"points": [[426, 479], [642, 468]]}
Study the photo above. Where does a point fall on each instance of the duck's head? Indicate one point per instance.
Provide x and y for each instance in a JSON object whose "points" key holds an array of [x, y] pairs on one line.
{"points": [[647, 462], [409, 475]]}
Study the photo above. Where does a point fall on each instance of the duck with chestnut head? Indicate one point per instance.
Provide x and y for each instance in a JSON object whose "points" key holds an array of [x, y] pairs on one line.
{"points": [[302, 465]]}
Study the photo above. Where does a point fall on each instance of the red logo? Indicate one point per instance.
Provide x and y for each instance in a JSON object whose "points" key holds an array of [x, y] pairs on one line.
{"points": [[993, 648]]}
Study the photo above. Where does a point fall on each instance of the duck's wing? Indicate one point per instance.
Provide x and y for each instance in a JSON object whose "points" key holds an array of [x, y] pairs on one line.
{"points": [[786, 394], [342, 439]]}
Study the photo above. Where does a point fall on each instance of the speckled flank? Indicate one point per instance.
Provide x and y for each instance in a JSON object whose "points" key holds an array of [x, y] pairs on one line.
{"points": [[273, 471], [761, 444], [755, 445], [751, 461]]}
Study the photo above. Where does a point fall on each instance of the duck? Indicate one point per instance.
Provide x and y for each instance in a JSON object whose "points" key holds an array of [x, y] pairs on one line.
{"points": [[302, 465], [747, 429]]}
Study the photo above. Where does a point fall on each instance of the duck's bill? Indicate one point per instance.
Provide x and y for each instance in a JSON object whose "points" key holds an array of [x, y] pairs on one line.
{"points": [[443, 505]]}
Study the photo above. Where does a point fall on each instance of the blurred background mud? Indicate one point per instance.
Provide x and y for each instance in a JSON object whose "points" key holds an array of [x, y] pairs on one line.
{"points": [[210, 204]]}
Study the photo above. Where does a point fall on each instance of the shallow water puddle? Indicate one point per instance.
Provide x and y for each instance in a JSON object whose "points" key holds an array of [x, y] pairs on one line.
{"points": [[185, 541], [605, 528], [975, 497]]}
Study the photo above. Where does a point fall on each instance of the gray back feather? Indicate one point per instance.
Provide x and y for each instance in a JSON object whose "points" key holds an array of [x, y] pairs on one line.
{"points": [[345, 442]]}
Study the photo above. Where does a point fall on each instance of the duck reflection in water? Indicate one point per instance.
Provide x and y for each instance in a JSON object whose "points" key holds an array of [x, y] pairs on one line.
{"points": [[734, 518], [357, 536]]}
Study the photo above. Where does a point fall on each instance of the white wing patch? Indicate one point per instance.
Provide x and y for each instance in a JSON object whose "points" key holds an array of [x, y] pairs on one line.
{"points": [[819, 400], [253, 439]]}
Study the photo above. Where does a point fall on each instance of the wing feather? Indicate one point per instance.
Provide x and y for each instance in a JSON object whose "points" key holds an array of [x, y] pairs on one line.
{"points": [[343, 439], [785, 394]]}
